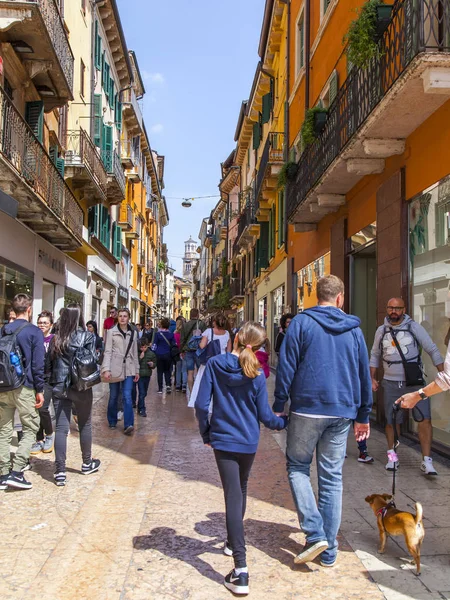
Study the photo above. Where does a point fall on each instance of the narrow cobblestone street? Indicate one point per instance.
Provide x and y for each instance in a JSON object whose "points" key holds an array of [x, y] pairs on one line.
{"points": [[150, 524]]}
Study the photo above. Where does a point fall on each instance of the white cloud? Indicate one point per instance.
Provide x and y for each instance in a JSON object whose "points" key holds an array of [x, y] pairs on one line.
{"points": [[158, 128], [156, 78]]}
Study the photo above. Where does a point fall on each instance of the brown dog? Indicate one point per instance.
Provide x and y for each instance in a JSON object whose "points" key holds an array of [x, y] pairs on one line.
{"points": [[397, 522]]}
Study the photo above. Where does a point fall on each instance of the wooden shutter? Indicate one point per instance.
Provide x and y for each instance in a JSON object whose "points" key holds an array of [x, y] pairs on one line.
{"points": [[34, 116], [103, 68], [53, 153], [266, 107], [107, 147], [111, 93], [93, 220], [334, 86], [107, 82], [264, 246], [301, 43], [98, 120], [281, 201], [256, 135], [118, 243], [98, 48], [60, 165]]}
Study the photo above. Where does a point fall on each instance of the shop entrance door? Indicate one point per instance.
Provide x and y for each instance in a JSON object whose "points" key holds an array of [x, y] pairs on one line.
{"points": [[363, 295]]}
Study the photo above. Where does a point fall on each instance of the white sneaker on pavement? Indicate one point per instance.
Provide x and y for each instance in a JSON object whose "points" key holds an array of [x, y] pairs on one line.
{"points": [[120, 415], [427, 466], [392, 462]]}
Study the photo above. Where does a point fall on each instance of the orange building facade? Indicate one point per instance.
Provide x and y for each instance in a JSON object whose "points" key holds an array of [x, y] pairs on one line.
{"points": [[369, 197]]}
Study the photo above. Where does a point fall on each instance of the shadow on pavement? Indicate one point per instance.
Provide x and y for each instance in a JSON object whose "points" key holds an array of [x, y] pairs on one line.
{"points": [[180, 547]]}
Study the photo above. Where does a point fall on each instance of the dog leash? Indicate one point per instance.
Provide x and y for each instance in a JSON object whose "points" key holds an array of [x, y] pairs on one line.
{"points": [[395, 409]]}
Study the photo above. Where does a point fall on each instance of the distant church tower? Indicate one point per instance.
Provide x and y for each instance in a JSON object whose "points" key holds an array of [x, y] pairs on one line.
{"points": [[190, 258]]}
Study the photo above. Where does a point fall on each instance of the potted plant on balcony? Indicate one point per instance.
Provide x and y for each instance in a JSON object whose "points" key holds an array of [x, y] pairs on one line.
{"points": [[366, 31], [287, 173], [314, 123]]}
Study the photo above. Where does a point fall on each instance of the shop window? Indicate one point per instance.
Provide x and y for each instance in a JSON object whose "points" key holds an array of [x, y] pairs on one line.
{"points": [[12, 282], [73, 297], [48, 296], [429, 250]]}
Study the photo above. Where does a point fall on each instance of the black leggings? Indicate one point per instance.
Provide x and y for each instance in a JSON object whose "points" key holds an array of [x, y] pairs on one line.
{"points": [[46, 425], [234, 469], [163, 367]]}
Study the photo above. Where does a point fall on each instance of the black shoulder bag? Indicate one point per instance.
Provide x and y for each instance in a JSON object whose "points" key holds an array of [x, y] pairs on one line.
{"points": [[413, 369]]}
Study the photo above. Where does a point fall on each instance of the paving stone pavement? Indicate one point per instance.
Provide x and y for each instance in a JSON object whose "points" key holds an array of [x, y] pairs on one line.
{"points": [[150, 523]]}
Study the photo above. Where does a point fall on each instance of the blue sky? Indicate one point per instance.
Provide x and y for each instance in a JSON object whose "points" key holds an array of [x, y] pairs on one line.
{"points": [[197, 58]]}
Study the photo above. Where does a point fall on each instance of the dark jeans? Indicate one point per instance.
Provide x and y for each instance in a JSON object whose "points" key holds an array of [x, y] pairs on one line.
{"points": [[134, 394], [63, 410], [125, 387], [143, 384], [46, 427], [234, 470], [164, 368]]}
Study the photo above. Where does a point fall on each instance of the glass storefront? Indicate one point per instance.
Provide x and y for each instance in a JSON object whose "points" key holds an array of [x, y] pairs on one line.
{"points": [[429, 250], [73, 297], [12, 281]]}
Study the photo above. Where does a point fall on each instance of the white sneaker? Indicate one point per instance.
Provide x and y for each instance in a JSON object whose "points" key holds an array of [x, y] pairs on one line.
{"points": [[427, 466], [392, 463], [120, 415]]}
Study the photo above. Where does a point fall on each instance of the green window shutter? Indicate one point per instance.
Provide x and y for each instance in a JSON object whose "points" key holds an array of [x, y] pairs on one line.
{"points": [[53, 153], [93, 220], [326, 4], [266, 107], [98, 120], [34, 116], [118, 243], [107, 82], [256, 135], [280, 218], [270, 233], [103, 68], [60, 165], [334, 86], [273, 232], [119, 116], [264, 246], [107, 150], [98, 48], [111, 93], [301, 43]]}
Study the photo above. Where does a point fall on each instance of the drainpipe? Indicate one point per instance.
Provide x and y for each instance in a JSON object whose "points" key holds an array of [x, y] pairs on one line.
{"points": [[307, 50]]}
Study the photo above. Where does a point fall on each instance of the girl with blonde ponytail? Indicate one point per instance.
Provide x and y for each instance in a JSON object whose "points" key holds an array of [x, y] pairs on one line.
{"points": [[237, 386]]}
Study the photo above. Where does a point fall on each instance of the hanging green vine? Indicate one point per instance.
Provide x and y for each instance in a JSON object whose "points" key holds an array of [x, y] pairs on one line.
{"points": [[361, 35], [287, 173], [308, 133]]}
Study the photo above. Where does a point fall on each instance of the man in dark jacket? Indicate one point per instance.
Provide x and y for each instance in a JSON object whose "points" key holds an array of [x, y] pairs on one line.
{"points": [[194, 327], [324, 369], [26, 399]]}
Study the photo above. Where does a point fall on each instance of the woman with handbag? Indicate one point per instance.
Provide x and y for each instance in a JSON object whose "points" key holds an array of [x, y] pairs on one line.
{"points": [[162, 347], [120, 368], [69, 338], [216, 340]]}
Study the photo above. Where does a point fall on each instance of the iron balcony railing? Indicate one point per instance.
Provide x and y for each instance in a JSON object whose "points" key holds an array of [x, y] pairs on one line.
{"points": [[113, 166], [126, 217], [81, 151], [131, 150], [273, 153], [57, 34], [129, 99], [236, 288], [247, 217], [25, 154], [415, 27]]}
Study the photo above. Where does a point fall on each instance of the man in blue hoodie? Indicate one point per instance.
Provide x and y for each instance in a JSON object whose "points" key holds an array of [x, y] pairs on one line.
{"points": [[26, 399], [324, 370]]}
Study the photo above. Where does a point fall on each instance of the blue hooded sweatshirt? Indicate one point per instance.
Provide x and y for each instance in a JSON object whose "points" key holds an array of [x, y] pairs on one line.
{"points": [[324, 366], [239, 404]]}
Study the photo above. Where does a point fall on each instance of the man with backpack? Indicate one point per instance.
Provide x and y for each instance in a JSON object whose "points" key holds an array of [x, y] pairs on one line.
{"points": [[22, 388], [398, 345], [190, 339]]}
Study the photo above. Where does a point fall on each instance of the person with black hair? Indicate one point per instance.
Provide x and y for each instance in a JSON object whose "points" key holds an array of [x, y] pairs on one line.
{"points": [[71, 336], [284, 324], [162, 345], [92, 327]]}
